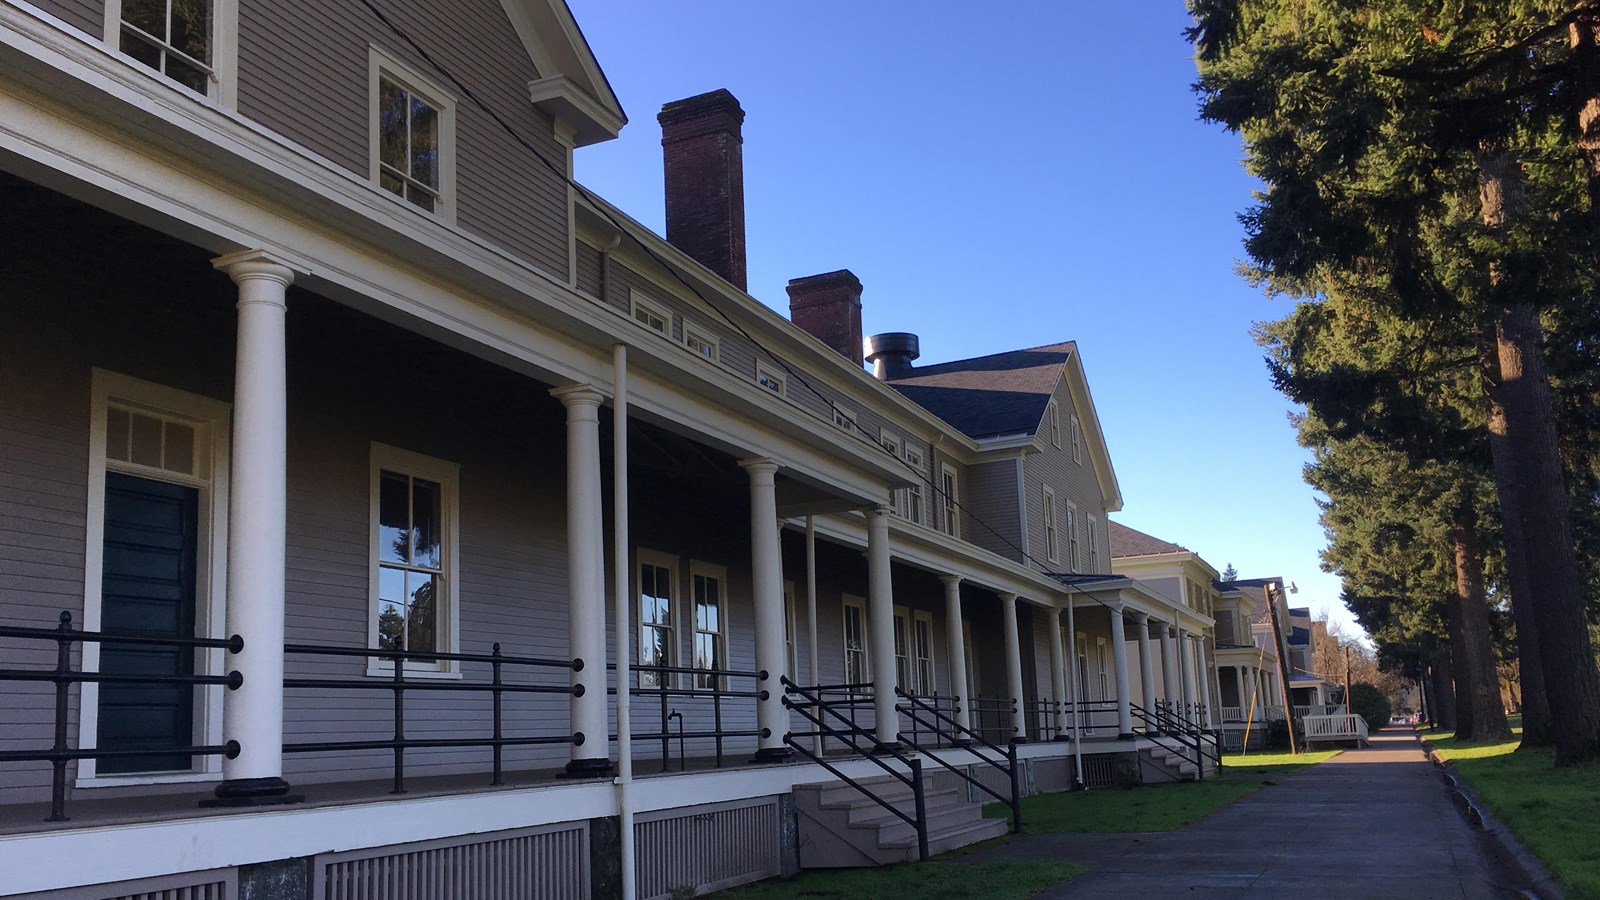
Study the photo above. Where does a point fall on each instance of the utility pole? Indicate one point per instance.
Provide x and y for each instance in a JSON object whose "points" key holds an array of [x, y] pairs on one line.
{"points": [[1283, 662]]}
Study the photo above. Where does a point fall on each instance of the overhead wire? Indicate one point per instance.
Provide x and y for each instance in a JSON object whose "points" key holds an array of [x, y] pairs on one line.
{"points": [[600, 207]]}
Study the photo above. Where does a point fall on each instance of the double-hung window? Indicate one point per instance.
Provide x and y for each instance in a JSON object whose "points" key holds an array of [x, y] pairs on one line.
{"points": [[710, 648], [658, 594], [1094, 544], [1055, 424], [413, 554], [856, 670], [413, 134], [1103, 668], [1051, 538], [922, 653], [913, 494], [1077, 441], [1072, 537], [902, 649], [184, 40], [947, 499]]}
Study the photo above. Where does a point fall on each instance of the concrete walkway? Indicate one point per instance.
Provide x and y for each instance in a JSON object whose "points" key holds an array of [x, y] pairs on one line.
{"points": [[1373, 823]]}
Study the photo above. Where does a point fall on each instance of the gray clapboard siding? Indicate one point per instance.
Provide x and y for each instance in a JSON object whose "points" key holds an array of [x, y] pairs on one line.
{"points": [[88, 16], [303, 71], [990, 495], [1072, 482]]}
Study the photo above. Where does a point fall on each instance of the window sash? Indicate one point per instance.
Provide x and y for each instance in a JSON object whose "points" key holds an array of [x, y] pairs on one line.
{"points": [[855, 644], [657, 622], [708, 629], [922, 652]]}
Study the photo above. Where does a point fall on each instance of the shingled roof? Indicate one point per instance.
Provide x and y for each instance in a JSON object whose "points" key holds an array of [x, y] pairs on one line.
{"points": [[988, 396], [1126, 541]]}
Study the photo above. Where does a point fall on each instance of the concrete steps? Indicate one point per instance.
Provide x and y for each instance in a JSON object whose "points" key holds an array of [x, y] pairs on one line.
{"points": [[839, 827], [1173, 765]]}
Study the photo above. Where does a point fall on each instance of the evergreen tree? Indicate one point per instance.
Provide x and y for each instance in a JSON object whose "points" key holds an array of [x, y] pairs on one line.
{"points": [[1438, 163]]}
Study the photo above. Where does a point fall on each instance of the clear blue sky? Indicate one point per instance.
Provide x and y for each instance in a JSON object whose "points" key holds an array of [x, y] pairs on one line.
{"points": [[999, 176]]}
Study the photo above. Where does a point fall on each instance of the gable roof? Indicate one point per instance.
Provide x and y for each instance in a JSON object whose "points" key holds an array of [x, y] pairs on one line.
{"points": [[988, 396], [571, 85], [1127, 542]]}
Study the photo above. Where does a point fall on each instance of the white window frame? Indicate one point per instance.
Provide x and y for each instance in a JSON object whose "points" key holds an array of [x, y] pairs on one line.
{"points": [[701, 569], [381, 65], [850, 601], [914, 496], [645, 557], [924, 685], [904, 671], [1073, 554], [766, 373], [1077, 440], [1085, 719], [693, 333], [448, 475], [896, 447], [949, 489], [1055, 425], [1052, 536], [213, 418], [640, 302], [1094, 545], [224, 56], [1102, 664], [791, 634], [845, 420]]}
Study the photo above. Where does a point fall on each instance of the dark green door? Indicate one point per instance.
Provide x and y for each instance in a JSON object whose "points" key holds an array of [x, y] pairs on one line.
{"points": [[147, 589]]}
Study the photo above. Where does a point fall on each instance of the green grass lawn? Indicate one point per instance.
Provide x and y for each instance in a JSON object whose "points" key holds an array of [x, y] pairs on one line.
{"points": [[1155, 807], [1555, 813], [936, 880]]}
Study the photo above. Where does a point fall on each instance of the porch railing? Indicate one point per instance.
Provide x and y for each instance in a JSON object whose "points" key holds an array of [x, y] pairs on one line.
{"points": [[402, 681], [63, 676], [1178, 736], [919, 730], [810, 703], [949, 730], [1040, 719], [1092, 718], [1340, 726], [665, 690], [992, 717]]}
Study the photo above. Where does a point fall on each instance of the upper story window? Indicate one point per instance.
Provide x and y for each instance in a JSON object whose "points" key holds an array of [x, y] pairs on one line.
{"points": [[1051, 536], [700, 341], [947, 499], [413, 555], [413, 136], [1094, 545], [188, 41], [1072, 538], [1055, 424], [913, 494], [650, 314], [844, 418], [1077, 441], [770, 379]]}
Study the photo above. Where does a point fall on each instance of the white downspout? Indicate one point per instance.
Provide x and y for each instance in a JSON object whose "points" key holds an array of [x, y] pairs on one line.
{"points": [[1077, 714], [811, 613], [619, 570]]}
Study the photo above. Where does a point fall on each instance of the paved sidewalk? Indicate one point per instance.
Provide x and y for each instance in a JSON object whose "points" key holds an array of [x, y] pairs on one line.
{"points": [[1372, 823]]}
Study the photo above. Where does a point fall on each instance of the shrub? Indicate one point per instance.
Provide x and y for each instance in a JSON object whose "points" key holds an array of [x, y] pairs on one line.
{"points": [[1371, 704], [1277, 735]]}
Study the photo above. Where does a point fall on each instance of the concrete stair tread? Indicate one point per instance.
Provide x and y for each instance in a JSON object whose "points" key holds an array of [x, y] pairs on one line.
{"points": [[951, 839]]}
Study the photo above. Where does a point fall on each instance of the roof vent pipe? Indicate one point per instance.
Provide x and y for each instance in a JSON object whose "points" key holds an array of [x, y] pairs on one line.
{"points": [[891, 354]]}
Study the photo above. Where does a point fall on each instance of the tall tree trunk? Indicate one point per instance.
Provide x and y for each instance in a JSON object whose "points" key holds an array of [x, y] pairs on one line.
{"points": [[1425, 683], [1444, 691], [1535, 706], [1584, 37], [1480, 716], [1572, 683]]}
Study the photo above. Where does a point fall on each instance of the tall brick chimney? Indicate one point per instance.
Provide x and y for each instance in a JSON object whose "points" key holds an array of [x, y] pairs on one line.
{"points": [[703, 150], [828, 307]]}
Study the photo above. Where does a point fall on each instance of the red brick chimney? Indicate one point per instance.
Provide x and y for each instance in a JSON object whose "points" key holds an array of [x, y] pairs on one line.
{"points": [[703, 150], [828, 307]]}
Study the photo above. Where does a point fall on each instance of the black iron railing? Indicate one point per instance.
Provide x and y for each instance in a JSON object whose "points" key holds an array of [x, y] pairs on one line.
{"points": [[403, 680], [812, 706], [993, 717], [920, 734], [665, 690], [948, 729], [1039, 717], [63, 676], [1090, 718], [1179, 737]]}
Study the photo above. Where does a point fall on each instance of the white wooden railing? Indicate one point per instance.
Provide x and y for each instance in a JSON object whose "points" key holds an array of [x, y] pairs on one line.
{"points": [[1337, 727]]}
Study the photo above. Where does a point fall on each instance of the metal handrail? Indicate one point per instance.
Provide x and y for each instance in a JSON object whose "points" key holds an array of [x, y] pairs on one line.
{"points": [[955, 732], [63, 676], [1156, 732], [663, 690], [398, 684], [815, 710]]}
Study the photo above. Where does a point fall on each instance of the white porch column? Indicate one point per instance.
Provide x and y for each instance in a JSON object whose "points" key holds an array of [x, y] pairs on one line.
{"points": [[1119, 666], [1058, 674], [766, 566], [1203, 669], [1186, 663], [956, 648], [1239, 679], [1147, 669], [586, 580], [1169, 671], [1008, 621], [257, 504], [880, 630]]}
